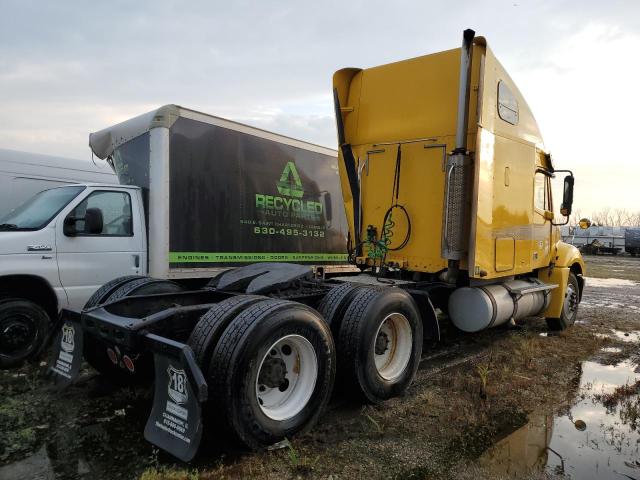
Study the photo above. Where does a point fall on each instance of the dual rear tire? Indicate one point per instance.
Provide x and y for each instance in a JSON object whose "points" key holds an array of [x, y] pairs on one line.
{"points": [[270, 367], [270, 364], [379, 335]]}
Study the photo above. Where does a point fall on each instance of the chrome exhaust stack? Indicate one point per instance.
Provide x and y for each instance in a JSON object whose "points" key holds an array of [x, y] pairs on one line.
{"points": [[458, 171]]}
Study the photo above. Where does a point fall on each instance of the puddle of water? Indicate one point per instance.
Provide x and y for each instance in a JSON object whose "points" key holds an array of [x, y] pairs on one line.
{"points": [[37, 467], [590, 442], [609, 282], [627, 337]]}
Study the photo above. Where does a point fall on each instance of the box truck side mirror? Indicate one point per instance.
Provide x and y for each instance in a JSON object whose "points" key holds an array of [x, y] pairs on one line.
{"points": [[93, 223], [567, 196]]}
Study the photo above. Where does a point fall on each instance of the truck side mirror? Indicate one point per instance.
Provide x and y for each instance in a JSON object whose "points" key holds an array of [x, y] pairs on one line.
{"points": [[328, 212], [69, 226], [584, 223], [93, 223], [567, 196]]}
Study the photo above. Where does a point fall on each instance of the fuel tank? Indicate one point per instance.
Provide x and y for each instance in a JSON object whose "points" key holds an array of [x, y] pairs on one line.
{"points": [[472, 309]]}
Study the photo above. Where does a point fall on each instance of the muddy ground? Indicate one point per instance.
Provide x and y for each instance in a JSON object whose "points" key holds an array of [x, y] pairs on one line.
{"points": [[500, 404]]}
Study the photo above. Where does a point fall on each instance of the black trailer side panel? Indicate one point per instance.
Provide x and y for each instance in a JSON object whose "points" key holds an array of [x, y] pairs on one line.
{"points": [[240, 198]]}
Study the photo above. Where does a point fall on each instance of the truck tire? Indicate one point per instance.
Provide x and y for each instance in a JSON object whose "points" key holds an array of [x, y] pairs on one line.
{"points": [[380, 343], [24, 328], [96, 351], [335, 303], [143, 286], [212, 324], [101, 295], [271, 373], [569, 306]]}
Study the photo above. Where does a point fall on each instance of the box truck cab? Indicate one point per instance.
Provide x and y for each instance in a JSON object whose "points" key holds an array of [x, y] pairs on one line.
{"points": [[56, 250], [207, 193]]}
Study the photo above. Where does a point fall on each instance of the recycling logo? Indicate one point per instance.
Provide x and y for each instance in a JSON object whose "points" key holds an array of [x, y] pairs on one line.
{"points": [[289, 184]]}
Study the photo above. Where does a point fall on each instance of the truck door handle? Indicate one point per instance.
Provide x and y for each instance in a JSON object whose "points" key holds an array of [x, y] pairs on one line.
{"points": [[136, 261]]}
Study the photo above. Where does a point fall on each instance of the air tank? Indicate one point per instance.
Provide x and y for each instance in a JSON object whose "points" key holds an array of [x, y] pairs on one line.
{"points": [[472, 309]]}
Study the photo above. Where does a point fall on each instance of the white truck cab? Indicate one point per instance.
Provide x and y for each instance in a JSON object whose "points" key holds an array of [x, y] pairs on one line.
{"points": [[58, 248]]}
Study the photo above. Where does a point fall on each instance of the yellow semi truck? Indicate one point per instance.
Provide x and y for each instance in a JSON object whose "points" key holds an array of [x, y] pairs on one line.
{"points": [[460, 195], [447, 191]]}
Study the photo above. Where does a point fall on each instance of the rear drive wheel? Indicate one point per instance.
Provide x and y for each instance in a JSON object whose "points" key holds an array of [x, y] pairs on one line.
{"points": [[117, 365], [569, 306], [209, 329], [335, 303], [24, 326], [272, 372], [380, 343]]}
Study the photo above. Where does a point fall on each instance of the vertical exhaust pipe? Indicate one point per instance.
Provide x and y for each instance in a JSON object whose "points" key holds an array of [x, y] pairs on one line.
{"points": [[457, 177], [464, 90]]}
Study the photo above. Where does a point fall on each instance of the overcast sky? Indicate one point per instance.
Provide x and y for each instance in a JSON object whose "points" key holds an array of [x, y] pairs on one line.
{"points": [[69, 68]]}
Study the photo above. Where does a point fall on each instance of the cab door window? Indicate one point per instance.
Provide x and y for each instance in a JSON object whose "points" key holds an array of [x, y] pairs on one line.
{"points": [[115, 209], [541, 196], [540, 192]]}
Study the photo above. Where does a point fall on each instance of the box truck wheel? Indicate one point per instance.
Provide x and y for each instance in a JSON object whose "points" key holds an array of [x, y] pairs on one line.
{"points": [[124, 368], [24, 326], [569, 306], [335, 303], [271, 373], [209, 328], [380, 343]]}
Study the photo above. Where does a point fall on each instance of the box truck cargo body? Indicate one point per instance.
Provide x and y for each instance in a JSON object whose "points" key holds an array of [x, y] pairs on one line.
{"points": [[197, 195], [218, 193]]}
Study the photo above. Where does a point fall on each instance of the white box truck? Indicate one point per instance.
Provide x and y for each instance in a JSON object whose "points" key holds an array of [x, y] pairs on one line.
{"points": [[23, 174], [197, 195]]}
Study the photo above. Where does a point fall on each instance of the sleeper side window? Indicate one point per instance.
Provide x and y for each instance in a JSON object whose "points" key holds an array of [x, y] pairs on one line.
{"points": [[507, 104]]}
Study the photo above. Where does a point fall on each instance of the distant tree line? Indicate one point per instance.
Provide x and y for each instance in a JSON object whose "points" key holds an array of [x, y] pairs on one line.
{"points": [[608, 217]]}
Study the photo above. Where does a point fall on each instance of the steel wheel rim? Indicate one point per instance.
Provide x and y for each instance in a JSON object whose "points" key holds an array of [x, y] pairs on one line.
{"points": [[17, 325], [393, 346], [282, 393], [570, 301]]}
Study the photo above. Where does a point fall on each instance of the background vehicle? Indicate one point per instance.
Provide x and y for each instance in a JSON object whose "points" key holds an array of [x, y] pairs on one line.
{"points": [[197, 194], [23, 174], [448, 200], [632, 240]]}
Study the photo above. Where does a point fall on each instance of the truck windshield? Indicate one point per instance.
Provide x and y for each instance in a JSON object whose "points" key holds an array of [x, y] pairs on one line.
{"points": [[40, 209]]}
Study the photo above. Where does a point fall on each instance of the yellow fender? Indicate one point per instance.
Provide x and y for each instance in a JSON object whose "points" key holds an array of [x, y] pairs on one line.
{"points": [[567, 260]]}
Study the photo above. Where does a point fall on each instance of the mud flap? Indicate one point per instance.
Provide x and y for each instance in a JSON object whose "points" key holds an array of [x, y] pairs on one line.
{"points": [[175, 423], [66, 351]]}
